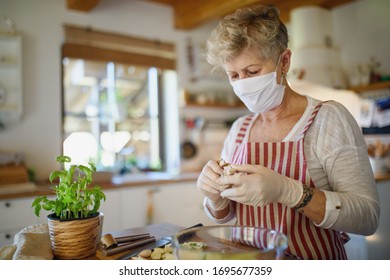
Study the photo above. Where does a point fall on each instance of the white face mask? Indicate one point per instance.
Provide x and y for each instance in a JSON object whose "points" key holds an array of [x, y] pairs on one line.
{"points": [[261, 93]]}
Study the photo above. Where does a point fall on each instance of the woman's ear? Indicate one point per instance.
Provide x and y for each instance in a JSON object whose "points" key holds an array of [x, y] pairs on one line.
{"points": [[286, 61]]}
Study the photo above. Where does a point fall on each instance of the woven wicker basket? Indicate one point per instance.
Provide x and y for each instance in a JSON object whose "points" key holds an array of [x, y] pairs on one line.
{"points": [[74, 239]]}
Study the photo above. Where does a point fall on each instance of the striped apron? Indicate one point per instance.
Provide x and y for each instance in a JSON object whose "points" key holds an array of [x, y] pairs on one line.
{"points": [[305, 240]]}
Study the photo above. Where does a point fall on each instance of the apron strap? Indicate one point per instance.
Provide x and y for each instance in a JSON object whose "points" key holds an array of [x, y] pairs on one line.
{"points": [[243, 129], [239, 150], [312, 117]]}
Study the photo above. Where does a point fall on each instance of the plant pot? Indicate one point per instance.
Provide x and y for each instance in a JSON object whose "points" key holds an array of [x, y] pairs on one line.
{"points": [[74, 239]]}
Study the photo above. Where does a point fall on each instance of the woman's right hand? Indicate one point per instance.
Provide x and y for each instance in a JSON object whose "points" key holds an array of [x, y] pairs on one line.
{"points": [[207, 180]]}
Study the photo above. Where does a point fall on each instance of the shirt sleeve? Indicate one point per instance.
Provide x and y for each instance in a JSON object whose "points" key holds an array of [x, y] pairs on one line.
{"points": [[343, 171], [230, 216]]}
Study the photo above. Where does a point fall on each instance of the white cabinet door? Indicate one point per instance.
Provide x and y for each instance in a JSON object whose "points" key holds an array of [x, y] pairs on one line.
{"points": [[356, 247], [112, 210], [15, 214], [7, 236], [378, 244], [134, 206], [180, 204]]}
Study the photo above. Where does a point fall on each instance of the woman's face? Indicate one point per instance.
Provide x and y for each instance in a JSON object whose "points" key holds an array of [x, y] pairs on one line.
{"points": [[248, 64]]}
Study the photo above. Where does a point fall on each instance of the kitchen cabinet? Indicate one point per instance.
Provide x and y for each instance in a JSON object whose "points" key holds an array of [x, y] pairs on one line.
{"points": [[356, 247], [15, 214], [176, 203], [134, 206], [123, 208], [10, 78], [179, 204], [378, 244], [112, 210]]}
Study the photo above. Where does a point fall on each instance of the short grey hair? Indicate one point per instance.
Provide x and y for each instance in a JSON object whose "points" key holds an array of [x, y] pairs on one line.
{"points": [[257, 28]]}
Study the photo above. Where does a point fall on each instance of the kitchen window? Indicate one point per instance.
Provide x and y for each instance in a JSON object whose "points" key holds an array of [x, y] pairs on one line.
{"points": [[114, 109]]}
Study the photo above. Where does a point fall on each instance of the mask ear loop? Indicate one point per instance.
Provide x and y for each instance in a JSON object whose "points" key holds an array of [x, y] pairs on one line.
{"points": [[284, 78], [277, 64], [283, 74]]}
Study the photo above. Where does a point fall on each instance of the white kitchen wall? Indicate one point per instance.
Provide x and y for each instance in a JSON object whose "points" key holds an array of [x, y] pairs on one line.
{"points": [[360, 30]]}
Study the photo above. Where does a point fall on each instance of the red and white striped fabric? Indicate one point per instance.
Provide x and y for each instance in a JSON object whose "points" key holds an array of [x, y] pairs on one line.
{"points": [[305, 240]]}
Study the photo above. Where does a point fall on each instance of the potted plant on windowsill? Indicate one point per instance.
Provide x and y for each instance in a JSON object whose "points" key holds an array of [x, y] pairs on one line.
{"points": [[74, 223]]}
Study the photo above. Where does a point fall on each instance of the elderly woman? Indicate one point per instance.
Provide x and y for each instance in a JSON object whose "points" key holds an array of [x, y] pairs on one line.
{"points": [[299, 166]]}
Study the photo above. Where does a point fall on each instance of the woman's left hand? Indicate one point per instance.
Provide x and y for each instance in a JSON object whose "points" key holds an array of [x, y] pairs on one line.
{"points": [[258, 186]]}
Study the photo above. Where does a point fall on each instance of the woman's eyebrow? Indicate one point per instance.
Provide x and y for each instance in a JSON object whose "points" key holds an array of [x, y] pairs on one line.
{"points": [[250, 65]]}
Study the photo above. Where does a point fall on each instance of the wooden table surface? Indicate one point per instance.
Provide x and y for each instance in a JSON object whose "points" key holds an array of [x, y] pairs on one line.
{"points": [[156, 230]]}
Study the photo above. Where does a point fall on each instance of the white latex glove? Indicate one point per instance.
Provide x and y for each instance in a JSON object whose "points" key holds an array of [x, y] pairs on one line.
{"points": [[207, 184], [258, 186]]}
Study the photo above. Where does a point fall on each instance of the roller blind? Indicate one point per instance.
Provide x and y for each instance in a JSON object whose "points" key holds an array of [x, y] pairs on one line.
{"points": [[92, 44]]}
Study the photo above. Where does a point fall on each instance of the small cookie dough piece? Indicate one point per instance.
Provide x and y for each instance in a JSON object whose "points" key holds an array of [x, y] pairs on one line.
{"points": [[227, 171], [145, 253]]}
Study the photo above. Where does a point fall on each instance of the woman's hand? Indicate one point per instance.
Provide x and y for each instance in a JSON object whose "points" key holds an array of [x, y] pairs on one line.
{"points": [[258, 186], [208, 185]]}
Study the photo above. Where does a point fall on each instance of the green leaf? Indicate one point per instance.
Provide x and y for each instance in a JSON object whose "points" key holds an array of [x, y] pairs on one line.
{"points": [[87, 172], [73, 197], [70, 174], [63, 159], [37, 201], [37, 210], [48, 205], [36, 204], [93, 167], [60, 174], [59, 209]]}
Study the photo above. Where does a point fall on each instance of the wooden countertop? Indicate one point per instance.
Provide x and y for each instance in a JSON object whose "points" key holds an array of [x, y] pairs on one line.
{"points": [[156, 230]]}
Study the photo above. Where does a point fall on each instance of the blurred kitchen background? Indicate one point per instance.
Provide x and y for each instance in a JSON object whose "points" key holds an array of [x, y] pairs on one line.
{"points": [[125, 84]]}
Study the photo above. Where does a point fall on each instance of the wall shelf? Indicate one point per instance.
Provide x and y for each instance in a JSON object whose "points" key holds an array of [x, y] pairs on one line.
{"points": [[382, 177], [374, 86]]}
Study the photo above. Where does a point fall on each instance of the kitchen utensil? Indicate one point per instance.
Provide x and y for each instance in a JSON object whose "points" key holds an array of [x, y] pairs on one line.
{"points": [[229, 242], [132, 245], [159, 243], [108, 241], [378, 149], [188, 147]]}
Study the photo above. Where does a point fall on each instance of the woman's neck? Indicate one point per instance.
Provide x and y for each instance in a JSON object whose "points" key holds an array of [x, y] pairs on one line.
{"points": [[292, 104]]}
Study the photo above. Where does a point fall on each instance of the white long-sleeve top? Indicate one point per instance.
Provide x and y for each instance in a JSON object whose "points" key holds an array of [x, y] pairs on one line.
{"points": [[338, 164]]}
